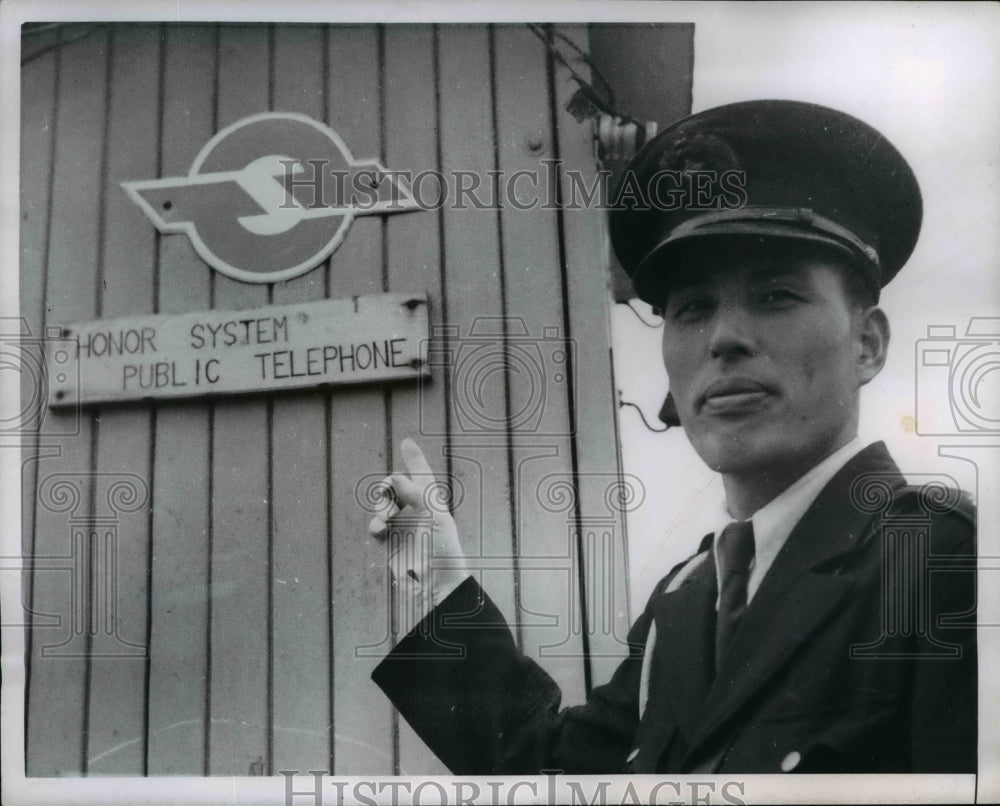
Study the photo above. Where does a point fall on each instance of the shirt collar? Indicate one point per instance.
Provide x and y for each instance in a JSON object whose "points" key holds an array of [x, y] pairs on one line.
{"points": [[773, 522]]}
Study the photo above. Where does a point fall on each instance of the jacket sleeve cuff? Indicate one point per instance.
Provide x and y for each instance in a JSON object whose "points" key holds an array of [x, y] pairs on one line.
{"points": [[449, 677], [447, 629]]}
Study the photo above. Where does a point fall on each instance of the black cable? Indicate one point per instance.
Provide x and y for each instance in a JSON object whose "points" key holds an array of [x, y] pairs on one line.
{"points": [[624, 403], [593, 68], [604, 104], [62, 43], [652, 325], [41, 27]]}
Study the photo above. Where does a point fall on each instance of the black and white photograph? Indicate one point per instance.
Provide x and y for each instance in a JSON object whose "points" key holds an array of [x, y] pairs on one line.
{"points": [[438, 402]]}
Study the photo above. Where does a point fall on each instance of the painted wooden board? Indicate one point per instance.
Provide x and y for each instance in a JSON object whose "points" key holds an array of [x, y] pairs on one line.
{"points": [[250, 573], [539, 328], [363, 727], [413, 257], [479, 457], [372, 339], [57, 686], [182, 489], [301, 723], [116, 726], [604, 496], [38, 93], [240, 671]]}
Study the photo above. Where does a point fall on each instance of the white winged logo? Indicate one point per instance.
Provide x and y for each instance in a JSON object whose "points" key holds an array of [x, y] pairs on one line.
{"points": [[270, 197]]}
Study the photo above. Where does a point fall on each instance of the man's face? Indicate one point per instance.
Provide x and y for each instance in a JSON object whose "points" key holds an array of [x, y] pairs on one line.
{"points": [[764, 353]]}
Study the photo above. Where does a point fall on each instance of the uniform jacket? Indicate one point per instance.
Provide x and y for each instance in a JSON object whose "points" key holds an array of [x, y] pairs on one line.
{"points": [[856, 654]]}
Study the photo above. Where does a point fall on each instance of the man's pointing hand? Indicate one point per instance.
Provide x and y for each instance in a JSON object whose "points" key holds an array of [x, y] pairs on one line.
{"points": [[426, 556]]}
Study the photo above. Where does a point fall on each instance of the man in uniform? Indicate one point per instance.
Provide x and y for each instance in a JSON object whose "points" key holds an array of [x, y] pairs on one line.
{"points": [[807, 634]]}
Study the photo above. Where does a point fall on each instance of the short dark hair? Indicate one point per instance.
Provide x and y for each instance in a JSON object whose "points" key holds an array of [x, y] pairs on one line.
{"points": [[859, 293]]}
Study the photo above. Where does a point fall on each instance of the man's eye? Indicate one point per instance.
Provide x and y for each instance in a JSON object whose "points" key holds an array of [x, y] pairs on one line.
{"points": [[780, 296], [690, 309]]}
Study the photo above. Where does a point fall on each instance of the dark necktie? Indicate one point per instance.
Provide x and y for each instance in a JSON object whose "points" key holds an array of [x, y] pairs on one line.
{"points": [[735, 551]]}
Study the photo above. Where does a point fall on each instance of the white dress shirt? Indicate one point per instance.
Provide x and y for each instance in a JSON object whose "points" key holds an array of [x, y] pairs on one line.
{"points": [[773, 522]]}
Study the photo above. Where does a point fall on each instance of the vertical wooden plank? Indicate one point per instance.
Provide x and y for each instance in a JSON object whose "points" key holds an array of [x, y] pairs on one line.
{"points": [[413, 263], [182, 490], [362, 722], [479, 453], [116, 729], [301, 597], [602, 500], [39, 79], [549, 596], [57, 684], [241, 512], [38, 92]]}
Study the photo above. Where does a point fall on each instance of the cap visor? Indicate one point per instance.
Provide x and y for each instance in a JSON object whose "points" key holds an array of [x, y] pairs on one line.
{"points": [[652, 276]]}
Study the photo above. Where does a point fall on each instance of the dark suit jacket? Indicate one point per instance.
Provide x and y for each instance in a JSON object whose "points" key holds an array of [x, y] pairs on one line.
{"points": [[857, 654]]}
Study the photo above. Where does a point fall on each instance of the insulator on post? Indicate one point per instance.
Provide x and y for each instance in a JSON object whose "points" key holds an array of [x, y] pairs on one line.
{"points": [[619, 140]]}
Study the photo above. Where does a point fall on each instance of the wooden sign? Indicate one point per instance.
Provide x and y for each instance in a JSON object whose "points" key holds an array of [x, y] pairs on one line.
{"points": [[370, 339]]}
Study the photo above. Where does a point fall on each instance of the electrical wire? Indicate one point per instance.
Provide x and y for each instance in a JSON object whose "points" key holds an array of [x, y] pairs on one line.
{"points": [[585, 57], [623, 403], [39, 28], [605, 103], [56, 45], [652, 325]]}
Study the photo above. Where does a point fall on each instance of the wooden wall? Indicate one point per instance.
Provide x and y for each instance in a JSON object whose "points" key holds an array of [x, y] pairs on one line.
{"points": [[208, 600]]}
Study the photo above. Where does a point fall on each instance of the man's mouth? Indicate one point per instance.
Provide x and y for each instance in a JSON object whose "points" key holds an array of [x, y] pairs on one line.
{"points": [[734, 396]]}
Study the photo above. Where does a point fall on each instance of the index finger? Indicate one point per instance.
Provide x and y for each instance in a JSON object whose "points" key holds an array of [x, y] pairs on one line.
{"points": [[414, 459], [388, 504]]}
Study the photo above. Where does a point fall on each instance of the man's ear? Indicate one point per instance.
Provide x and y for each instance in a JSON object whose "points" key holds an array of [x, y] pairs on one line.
{"points": [[873, 343]]}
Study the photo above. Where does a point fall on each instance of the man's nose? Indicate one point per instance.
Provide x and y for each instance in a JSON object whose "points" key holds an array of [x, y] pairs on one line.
{"points": [[732, 334]]}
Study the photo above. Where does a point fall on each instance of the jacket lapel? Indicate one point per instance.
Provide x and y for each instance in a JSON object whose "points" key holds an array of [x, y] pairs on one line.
{"points": [[796, 595], [683, 661]]}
